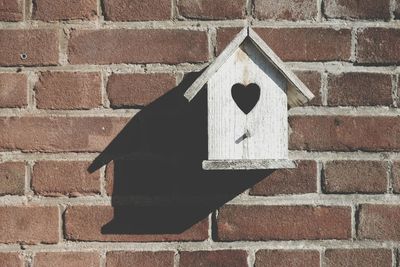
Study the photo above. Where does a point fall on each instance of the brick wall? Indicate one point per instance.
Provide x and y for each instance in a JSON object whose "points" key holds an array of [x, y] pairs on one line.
{"points": [[78, 77]]}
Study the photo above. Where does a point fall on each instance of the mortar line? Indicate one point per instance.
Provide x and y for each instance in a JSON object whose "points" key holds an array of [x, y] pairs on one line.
{"points": [[177, 257], [28, 178], [320, 169], [395, 96], [392, 8], [320, 15], [322, 257], [324, 89], [251, 257], [394, 257], [353, 52], [103, 257], [389, 177]]}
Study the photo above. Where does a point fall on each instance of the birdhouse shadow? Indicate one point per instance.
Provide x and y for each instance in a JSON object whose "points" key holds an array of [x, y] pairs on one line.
{"points": [[154, 169]]}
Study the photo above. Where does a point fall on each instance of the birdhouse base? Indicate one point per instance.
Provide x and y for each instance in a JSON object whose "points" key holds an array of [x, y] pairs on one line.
{"points": [[248, 164]]}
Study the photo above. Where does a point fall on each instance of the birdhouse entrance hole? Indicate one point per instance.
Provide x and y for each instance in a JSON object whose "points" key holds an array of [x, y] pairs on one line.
{"points": [[246, 97]]}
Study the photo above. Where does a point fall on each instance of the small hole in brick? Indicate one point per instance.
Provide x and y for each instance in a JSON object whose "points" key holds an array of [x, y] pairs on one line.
{"points": [[23, 56]]}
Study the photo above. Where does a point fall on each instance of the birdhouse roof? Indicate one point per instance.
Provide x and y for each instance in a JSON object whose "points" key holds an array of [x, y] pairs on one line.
{"points": [[297, 93]]}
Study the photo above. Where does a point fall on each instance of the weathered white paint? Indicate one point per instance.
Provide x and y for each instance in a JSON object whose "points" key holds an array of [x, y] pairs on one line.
{"points": [[266, 123], [248, 164]]}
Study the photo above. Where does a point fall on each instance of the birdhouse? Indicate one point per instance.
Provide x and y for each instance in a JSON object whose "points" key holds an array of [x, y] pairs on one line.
{"points": [[249, 91]]}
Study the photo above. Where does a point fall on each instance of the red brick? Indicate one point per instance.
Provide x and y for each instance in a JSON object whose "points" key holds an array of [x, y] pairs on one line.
{"points": [[378, 222], [137, 46], [85, 223], [29, 224], [312, 80], [300, 180], [277, 223], [360, 89], [54, 178], [55, 134], [140, 258], [396, 176], [378, 46], [358, 257], [299, 44], [287, 258], [12, 178], [286, 9], [66, 259], [344, 133], [137, 10], [11, 259], [355, 177], [39, 46], [13, 90], [367, 9], [210, 9], [50, 10], [68, 90], [220, 258], [11, 10], [137, 90]]}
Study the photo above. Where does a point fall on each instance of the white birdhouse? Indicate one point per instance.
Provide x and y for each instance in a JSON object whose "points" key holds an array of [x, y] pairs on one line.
{"points": [[249, 90]]}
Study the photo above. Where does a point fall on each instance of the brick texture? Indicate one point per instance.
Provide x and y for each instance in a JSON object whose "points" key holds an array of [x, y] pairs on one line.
{"points": [[28, 47], [68, 90], [115, 46], [142, 258], [29, 224], [11, 259], [286, 9], [11, 10], [209, 9], [221, 258], [136, 10], [58, 133], [300, 180], [360, 89], [13, 90], [287, 258], [344, 133], [355, 177], [276, 223], [312, 80], [66, 259], [396, 176], [137, 90], [368, 9], [12, 178], [51, 10], [358, 257], [53, 178]]}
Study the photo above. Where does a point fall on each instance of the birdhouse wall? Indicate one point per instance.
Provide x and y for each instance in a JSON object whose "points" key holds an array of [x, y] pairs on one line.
{"points": [[263, 132]]}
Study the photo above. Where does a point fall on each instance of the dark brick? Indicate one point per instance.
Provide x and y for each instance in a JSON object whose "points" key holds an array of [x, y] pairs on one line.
{"points": [[312, 80], [356, 9], [51, 10], [210, 9], [287, 258], [137, 10], [285, 9], [220, 258]]}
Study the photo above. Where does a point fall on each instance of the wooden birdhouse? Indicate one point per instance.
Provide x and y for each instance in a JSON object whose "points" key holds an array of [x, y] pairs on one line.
{"points": [[249, 90]]}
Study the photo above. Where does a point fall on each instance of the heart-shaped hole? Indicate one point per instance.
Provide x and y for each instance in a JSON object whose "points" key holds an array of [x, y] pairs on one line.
{"points": [[246, 97]]}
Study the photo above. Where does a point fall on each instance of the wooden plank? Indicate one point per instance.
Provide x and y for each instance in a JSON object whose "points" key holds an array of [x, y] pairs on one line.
{"points": [[219, 61], [248, 164]]}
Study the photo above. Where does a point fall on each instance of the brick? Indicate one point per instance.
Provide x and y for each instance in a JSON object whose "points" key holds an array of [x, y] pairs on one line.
{"points": [[66, 259], [257, 223], [11, 10], [312, 80], [378, 46], [29, 224], [71, 178], [396, 176], [299, 44], [210, 9], [52, 10], [85, 223], [220, 258], [358, 257], [286, 9], [56, 134], [12, 178], [344, 133], [137, 90], [39, 46], [367, 9], [68, 90], [359, 89], [13, 90], [137, 10], [11, 259], [156, 46], [396, 11], [300, 180], [287, 258], [140, 258], [376, 222], [355, 177]]}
